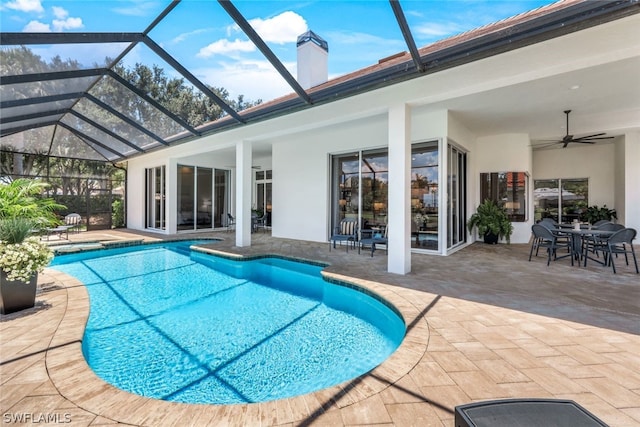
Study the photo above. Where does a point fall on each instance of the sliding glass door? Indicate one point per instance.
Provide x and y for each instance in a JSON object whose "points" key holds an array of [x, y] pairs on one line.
{"points": [[155, 198], [457, 197], [424, 196], [203, 197], [360, 188]]}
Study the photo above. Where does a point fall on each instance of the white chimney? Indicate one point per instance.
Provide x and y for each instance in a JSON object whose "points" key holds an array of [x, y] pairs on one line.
{"points": [[313, 54]]}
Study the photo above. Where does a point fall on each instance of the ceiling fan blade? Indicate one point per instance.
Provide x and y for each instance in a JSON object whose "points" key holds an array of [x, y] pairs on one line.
{"points": [[594, 138], [566, 143], [591, 136]]}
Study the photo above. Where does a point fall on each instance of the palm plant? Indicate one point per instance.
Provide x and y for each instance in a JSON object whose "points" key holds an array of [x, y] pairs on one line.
{"points": [[23, 198]]}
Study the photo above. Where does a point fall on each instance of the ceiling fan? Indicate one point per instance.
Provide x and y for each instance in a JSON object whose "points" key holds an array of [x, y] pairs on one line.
{"points": [[588, 139]]}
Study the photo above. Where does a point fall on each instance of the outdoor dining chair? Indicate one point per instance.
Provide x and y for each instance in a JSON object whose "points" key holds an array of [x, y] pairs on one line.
{"points": [[346, 231], [621, 242], [544, 238], [595, 243]]}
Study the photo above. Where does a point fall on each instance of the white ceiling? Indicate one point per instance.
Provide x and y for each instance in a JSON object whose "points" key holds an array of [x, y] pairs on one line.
{"points": [[604, 98]]}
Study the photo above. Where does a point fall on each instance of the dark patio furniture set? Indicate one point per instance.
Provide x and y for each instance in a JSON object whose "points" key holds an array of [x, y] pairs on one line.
{"points": [[601, 242]]}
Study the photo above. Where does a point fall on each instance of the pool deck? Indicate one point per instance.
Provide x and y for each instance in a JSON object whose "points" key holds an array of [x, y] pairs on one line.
{"points": [[483, 323]]}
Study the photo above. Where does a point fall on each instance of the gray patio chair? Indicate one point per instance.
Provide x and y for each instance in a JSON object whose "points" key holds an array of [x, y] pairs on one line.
{"points": [[544, 238], [346, 231], [596, 244], [621, 242], [231, 222], [551, 225], [372, 237]]}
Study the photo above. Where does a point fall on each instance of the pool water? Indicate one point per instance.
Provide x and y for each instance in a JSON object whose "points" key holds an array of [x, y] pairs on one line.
{"points": [[169, 323]]}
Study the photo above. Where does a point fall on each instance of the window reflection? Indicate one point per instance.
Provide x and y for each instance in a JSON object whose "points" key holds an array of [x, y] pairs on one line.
{"points": [[424, 196]]}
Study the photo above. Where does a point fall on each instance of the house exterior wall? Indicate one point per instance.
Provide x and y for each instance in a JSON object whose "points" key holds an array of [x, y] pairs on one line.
{"points": [[505, 153], [628, 190], [301, 180], [596, 162], [300, 144]]}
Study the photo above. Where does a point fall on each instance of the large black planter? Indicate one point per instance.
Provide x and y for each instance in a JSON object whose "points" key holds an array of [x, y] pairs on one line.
{"points": [[16, 295], [490, 238]]}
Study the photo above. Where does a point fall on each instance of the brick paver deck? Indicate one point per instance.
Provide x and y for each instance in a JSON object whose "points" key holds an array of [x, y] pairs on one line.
{"points": [[482, 324]]}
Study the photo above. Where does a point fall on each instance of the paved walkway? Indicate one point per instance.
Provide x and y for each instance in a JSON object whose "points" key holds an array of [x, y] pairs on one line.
{"points": [[482, 324]]}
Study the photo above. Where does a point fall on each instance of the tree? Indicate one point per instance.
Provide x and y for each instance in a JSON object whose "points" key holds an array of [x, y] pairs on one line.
{"points": [[55, 152]]}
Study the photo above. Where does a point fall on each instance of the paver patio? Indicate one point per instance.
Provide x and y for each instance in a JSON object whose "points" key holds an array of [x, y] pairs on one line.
{"points": [[483, 324]]}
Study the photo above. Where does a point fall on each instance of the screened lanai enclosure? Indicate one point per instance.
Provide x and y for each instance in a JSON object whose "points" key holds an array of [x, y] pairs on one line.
{"points": [[73, 117], [77, 103]]}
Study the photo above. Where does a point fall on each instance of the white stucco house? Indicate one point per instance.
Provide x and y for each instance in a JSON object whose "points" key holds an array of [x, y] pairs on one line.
{"points": [[420, 153]]}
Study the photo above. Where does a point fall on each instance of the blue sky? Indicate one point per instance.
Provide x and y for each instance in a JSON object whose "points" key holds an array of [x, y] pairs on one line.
{"points": [[204, 38]]}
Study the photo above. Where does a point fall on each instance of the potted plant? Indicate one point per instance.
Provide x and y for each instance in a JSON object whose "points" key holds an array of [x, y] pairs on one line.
{"points": [[21, 259], [492, 222], [594, 214], [23, 210]]}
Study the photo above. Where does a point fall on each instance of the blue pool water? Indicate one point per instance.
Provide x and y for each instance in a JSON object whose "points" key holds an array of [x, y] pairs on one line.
{"points": [[169, 323]]}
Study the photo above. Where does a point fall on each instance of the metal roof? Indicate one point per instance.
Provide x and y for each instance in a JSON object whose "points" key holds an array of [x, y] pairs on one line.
{"points": [[88, 113]]}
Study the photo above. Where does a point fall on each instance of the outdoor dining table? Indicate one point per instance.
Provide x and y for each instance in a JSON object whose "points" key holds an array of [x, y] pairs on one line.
{"points": [[577, 237]]}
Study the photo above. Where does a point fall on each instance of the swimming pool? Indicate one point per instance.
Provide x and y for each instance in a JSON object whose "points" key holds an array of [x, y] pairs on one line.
{"points": [[173, 324]]}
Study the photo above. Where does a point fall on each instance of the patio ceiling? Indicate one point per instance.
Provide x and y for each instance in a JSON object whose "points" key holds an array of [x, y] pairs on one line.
{"points": [[85, 113]]}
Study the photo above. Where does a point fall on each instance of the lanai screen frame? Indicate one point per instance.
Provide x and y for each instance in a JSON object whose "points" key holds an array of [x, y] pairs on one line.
{"points": [[115, 145]]}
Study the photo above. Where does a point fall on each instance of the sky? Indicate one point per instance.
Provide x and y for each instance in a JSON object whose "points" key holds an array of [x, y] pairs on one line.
{"points": [[204, 38]]}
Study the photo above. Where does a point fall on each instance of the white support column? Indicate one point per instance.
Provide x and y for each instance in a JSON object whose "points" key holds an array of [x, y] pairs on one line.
{"points": [[399, 259], [630, 191], [243, 193]]}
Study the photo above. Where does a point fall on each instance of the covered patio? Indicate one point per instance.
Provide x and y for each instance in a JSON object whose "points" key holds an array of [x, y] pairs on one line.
{"points": [[484, 323]]}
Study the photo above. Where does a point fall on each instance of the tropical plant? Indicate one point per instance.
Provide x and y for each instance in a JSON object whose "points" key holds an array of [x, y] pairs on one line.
{"points": [[594, 214], [490, 218], [21, 256], [23, 198]]}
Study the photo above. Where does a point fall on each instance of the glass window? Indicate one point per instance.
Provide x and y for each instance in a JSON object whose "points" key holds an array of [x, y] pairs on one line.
{"points": [[424, 196], [204, 200], [507, 189], [221, 197], [186, 190], [457, 207], [360, 187], [262, 204], [561, 199], [155, 208]]}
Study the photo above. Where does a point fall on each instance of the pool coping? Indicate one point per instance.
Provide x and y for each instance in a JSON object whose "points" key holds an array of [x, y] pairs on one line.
{"points": [[74, 379]]}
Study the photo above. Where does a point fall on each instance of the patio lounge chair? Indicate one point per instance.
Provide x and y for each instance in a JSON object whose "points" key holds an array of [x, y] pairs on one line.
{"points": [[73, 221], [346, 231]]}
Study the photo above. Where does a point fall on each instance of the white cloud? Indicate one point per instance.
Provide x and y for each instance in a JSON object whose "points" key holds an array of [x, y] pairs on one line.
{"points": [[139, 8], [182, 37], [59, 12], [253, 79], [67, 24], [430, 30], [281, 29], [36, 27], [25, 6], [226, 47]]}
